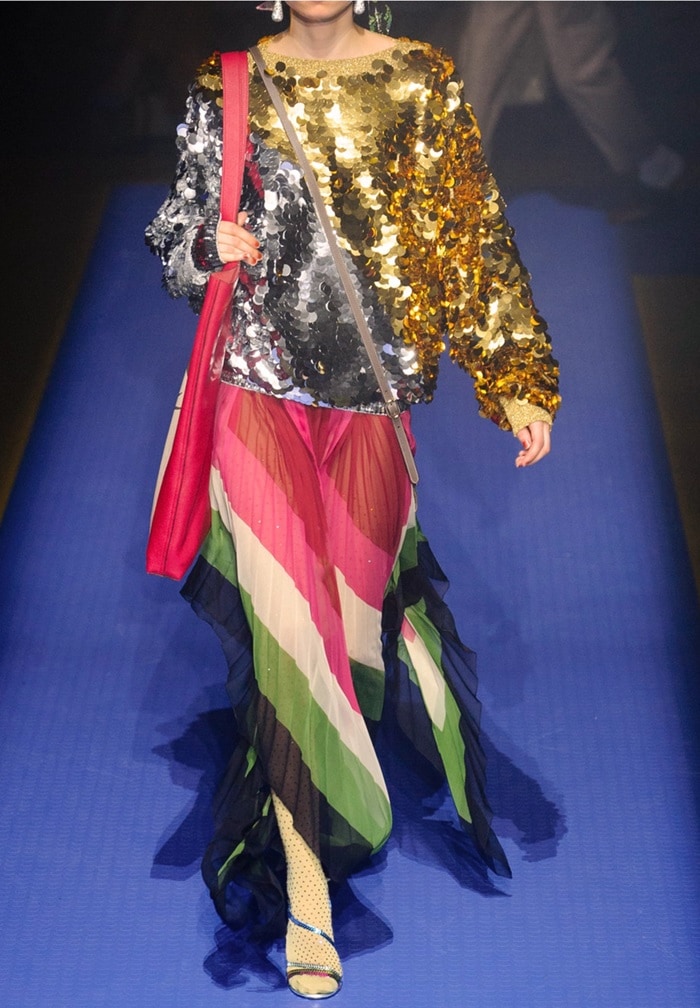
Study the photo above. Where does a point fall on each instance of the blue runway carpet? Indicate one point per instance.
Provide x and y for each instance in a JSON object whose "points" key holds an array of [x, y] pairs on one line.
{"points": [[570, 581]]}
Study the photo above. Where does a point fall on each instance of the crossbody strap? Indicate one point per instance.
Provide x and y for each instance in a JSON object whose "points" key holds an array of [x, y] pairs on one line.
{"points": [[392, 406]]}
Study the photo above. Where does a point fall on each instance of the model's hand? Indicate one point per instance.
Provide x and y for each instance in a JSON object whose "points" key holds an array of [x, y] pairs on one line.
{"points": [[535, 440], [234, 243]]}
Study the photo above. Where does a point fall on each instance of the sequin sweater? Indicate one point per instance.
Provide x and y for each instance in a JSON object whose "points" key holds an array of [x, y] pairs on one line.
{"points": [[420, 222]]}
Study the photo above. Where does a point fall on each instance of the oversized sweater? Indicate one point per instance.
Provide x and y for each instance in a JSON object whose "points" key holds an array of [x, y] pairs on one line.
{"points": [[420, 221]]}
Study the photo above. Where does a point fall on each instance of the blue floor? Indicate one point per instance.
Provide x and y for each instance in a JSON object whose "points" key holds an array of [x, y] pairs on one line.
{"points": [[570, 580]]}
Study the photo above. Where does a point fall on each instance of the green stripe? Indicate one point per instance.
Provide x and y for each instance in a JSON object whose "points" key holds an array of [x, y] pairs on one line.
{"points": [[407, 558], [338, 774], [448, 738], [219, 551], [238, 850], [221, 873], [369, 685]]}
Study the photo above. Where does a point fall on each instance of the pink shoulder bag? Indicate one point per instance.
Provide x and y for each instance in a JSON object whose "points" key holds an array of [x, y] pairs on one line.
{"points": [[181, 515]]}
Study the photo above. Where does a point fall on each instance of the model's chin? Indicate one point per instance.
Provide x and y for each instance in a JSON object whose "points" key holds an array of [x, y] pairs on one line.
{"points": [[318, 11]]}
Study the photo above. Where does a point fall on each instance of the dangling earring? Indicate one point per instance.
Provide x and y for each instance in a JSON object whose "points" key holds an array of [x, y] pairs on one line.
{"points": [[277, 11], [380, 20], [359, 6]]}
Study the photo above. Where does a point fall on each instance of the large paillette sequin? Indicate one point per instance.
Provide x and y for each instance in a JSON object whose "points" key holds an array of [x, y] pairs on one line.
{"points": [[419, 218]]}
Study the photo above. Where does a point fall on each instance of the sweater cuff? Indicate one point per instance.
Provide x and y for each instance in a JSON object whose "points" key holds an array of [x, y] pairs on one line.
{"points": [[204, 252], [521, 413]]}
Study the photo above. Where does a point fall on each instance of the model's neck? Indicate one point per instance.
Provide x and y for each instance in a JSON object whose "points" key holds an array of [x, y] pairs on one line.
{"points": [[336, 38]]}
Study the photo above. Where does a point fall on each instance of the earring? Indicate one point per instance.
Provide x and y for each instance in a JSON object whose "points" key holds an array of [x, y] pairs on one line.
{"points": [[380, 20], [359, 6], [277, 11]]}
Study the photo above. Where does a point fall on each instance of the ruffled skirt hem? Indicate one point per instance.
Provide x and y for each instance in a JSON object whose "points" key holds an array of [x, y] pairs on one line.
{"points": [[243, 866]]}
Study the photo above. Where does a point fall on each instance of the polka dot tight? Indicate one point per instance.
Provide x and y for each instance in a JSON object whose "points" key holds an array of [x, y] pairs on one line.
{"points": [[313, 965]]}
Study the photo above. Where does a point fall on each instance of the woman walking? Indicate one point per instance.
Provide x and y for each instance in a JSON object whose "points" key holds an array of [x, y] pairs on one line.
{"points": [[315, 575]]}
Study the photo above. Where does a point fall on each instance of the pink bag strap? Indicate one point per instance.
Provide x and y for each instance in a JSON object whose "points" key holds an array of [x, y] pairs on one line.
{"points": [[234, 75]]}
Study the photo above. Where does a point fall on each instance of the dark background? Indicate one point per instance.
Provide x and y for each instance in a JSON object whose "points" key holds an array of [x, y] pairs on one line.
{"points": [[87, 73], [94, 91]]}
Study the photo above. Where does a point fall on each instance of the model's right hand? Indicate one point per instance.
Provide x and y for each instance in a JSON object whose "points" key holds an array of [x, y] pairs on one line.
{"points": [[234, 243]]}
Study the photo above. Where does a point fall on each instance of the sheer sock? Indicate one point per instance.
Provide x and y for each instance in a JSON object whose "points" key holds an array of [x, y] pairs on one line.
{"points": [[307, 891]]}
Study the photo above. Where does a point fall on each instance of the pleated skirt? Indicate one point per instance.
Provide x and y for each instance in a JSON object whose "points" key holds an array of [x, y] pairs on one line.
{"points": [[329, 606]]}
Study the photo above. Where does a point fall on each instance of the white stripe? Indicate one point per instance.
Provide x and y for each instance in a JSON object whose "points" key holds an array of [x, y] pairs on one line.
{"points": [[363, 626], [364, 623], [283, 611], [430, 678]]}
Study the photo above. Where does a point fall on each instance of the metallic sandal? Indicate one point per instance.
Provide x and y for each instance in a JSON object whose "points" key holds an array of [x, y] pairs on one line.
{"points": [[312, 969]]}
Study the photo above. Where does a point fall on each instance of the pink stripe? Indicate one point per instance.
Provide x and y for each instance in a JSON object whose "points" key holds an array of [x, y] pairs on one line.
{"points": [[407, 631], [285, 538], [366, 566], [320, 490], [368, 495]]}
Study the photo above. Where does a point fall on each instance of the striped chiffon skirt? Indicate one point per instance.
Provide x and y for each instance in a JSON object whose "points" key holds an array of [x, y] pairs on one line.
{"points": [[329, 606]]}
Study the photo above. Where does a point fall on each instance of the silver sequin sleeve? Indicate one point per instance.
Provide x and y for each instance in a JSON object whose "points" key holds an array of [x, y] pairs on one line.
{"points": [[183, 232]]}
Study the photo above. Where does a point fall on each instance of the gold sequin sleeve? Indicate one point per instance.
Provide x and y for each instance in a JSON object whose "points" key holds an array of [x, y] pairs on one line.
{"points": [[495, 332]]}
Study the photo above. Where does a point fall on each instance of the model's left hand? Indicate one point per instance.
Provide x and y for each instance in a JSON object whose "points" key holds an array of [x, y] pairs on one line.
{"points": [[536, 442]]}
